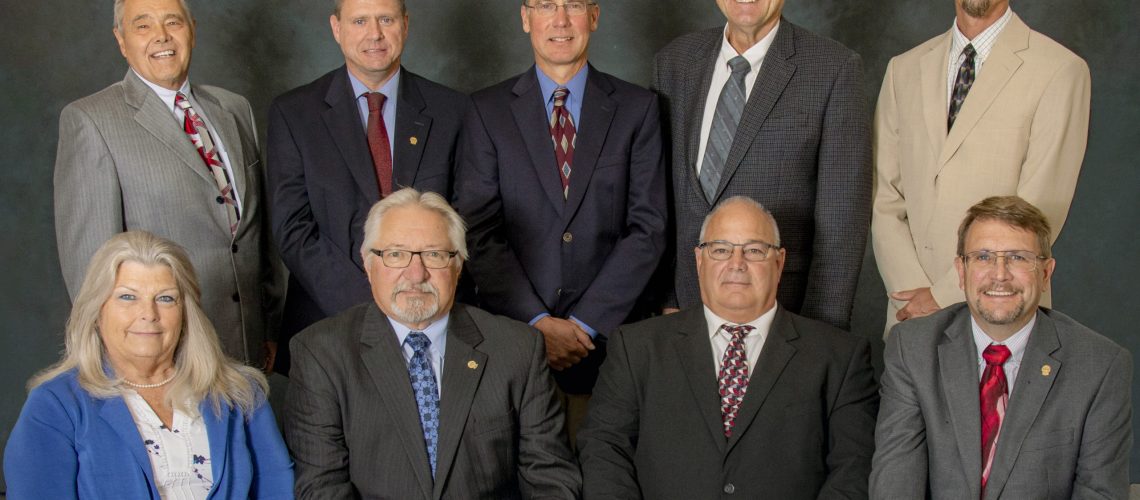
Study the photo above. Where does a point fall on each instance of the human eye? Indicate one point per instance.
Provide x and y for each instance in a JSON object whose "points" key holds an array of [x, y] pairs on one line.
{"points": [[126, 296], [1016, 258], [166, 299], [359, 21], [575, 7], [720, 251], [754, 253], [395, 255], [546, 7], [387, 20]]}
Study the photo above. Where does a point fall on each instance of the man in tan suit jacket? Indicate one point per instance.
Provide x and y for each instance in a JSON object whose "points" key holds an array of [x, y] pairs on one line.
{"points": [[1021, 130], [124, 162]]}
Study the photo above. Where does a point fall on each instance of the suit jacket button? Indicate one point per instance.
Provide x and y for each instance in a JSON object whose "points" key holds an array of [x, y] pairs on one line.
{"points": [[558, 292], [233, 248], [236, 297], [220, 200], [729, 488], [567, 237]]}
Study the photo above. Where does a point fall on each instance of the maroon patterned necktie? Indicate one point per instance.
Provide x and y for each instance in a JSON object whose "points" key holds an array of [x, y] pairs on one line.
{"points": [[195, 127], [563, 134], [993, 398], [378, 143], [733, 378]]}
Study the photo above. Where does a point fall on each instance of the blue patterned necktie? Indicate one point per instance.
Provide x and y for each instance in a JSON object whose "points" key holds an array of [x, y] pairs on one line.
{"points": [[726, 117], [962, 85], [427, 394]]}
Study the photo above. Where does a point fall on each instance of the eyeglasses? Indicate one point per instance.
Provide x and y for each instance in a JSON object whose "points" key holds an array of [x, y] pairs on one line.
{"points": [[548, 9], [1022, 261], [753, 251], [432, 259]]}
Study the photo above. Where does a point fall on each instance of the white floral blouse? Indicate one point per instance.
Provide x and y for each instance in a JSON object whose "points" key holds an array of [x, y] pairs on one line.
{"points": [[179, 456]]}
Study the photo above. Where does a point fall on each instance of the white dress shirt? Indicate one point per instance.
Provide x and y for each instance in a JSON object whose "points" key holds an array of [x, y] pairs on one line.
{"points": [[983, 44], [721, 71], [1016, 344], [179, 456], [167, 97], [753, 342], [437, 334]]}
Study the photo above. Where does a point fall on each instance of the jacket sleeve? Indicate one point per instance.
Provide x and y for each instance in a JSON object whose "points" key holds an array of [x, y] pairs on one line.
{"points": [[899, 469], [607, 441], [41, 459]]}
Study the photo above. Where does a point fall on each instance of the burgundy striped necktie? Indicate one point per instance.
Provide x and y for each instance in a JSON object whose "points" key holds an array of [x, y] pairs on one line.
{"points": [[994, 397], [378, 143], [563, 134], [733, 377], [195, 127]]}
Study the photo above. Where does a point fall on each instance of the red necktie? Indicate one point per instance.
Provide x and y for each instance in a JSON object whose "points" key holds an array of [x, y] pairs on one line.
{"points": [[563, 134], [195, 127], [993, 397], [733, 378], [378, 143]]}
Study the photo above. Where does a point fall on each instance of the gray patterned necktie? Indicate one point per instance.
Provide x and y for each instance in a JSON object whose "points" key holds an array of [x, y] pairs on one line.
{"points": [[727, 116], [962, 84], [427, 394]]}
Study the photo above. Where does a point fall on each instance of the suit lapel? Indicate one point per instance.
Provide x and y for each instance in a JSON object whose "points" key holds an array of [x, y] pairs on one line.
{"points": [[958, 371], [775, 73], [694, 349], [700, 71], [225, 125], [774, 357], [999, 68], [160, 122], [114, 411], [218, 434], [932, 70], [411, 132], [597, 115], [342, 119], [462, 370], [1028, 395], [529, 110], [382, 357]]}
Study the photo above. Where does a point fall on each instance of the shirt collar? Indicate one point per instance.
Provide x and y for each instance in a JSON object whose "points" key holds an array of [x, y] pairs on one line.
{"points": [[985, 40], [435, 332], [755, 54], [761, 324], [164, 93], [1016, 342], [576, 85], [388, 89]]}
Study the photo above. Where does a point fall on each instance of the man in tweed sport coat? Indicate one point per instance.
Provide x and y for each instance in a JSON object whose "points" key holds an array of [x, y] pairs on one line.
{"points": [[802, 149], [124, 162]]}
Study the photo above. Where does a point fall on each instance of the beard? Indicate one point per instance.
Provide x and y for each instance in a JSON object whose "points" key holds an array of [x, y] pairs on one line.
{"points": [[976, 8], [419, 309], [995, 317]]}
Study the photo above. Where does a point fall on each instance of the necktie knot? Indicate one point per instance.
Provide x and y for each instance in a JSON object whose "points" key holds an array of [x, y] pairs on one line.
{"points": [[375, 101], [738, 332], [739, 65], [181, 101], [559, 96], [969, 51], [418, 341], [995, 354]]}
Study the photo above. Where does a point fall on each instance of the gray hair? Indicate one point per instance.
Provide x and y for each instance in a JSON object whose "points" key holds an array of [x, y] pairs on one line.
{"points": [[119, 11], [456, 229], [201, 370], [747, 201]]}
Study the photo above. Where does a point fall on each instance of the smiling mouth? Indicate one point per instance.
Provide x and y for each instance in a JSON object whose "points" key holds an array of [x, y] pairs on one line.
{"points": [[560, 39], [999, 293]]}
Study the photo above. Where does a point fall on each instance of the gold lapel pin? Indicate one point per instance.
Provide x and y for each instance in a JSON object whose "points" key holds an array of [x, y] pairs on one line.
{"points": [[1046, 370], [414, 140], [472, 364]]}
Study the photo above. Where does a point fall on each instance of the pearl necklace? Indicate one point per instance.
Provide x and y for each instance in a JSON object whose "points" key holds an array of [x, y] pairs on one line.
{"points": [[150, 386]]}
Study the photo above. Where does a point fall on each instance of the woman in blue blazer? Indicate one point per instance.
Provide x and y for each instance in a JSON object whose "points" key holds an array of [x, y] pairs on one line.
{"points": [[144, 404]]}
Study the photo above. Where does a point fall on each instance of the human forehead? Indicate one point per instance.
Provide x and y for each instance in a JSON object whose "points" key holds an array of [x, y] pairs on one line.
{"points": [[357, 8], [133, 273], [993, 234], [412, 225], [151, 9]]}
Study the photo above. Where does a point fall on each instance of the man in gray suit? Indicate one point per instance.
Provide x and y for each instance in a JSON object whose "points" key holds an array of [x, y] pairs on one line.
{"points": [[154, 152], [738, 397], [1051, 416], [766, 109], [414, 396]]}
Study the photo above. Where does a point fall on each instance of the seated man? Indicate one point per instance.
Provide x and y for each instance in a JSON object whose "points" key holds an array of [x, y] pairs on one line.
{"points": [[739, 396], [366, 414], [961, 419]]}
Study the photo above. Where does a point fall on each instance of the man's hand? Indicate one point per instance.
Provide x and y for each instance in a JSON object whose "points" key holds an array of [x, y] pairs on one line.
{"points": [[919, 302], [566, 342], [270, 357], [669, 310]]}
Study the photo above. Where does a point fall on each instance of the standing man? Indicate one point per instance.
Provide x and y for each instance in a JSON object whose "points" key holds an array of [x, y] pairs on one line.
{"points": [[339, 144], [414, 396], [155, 153], [988, 108], [738, 397], [766, 109], [998, 398], [563, 185]]}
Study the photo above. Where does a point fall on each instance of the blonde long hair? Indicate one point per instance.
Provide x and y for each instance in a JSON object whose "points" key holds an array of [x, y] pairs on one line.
{"points": [[202, 371]]}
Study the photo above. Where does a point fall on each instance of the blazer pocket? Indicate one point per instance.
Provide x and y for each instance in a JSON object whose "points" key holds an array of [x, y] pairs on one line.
{"points": [[482, 424], [612, 161], [1048, 439]]}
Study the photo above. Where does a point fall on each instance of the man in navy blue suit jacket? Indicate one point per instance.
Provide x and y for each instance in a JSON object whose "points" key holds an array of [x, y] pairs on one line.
{"points": [[320, 169], [570, 258]]}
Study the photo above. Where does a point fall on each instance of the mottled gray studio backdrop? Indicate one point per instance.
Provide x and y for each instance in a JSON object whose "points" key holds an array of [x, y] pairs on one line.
{"points": [[55, 51]]}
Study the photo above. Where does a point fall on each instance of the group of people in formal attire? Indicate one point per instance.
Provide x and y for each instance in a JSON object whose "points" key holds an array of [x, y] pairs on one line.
{"points": [[569, 286]]}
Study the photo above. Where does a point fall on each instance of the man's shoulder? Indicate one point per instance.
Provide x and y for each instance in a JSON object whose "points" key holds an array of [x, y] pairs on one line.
{"points": [[624, 91], [914, 54], [813, 45], [818, 334], [337, 332], [927, 329], [435, 93], [314, 90], [496, 327], [112, 96], [690, 45], [228, 99], [1079, 340], [498, 92], [1049, 52]]}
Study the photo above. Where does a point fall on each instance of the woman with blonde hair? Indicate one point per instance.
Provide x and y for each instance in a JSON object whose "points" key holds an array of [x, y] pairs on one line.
{"points": [[144, 404]]}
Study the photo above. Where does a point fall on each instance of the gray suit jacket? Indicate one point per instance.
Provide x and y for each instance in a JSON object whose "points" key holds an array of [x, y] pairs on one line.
{"points": [[804, 431], [802, 149], [352, 424], [1067, 432], [125, 163]]}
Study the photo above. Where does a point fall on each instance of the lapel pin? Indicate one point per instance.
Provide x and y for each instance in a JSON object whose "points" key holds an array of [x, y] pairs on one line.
{"points": [[1046, 370], [472, 364], [414, 140]]}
